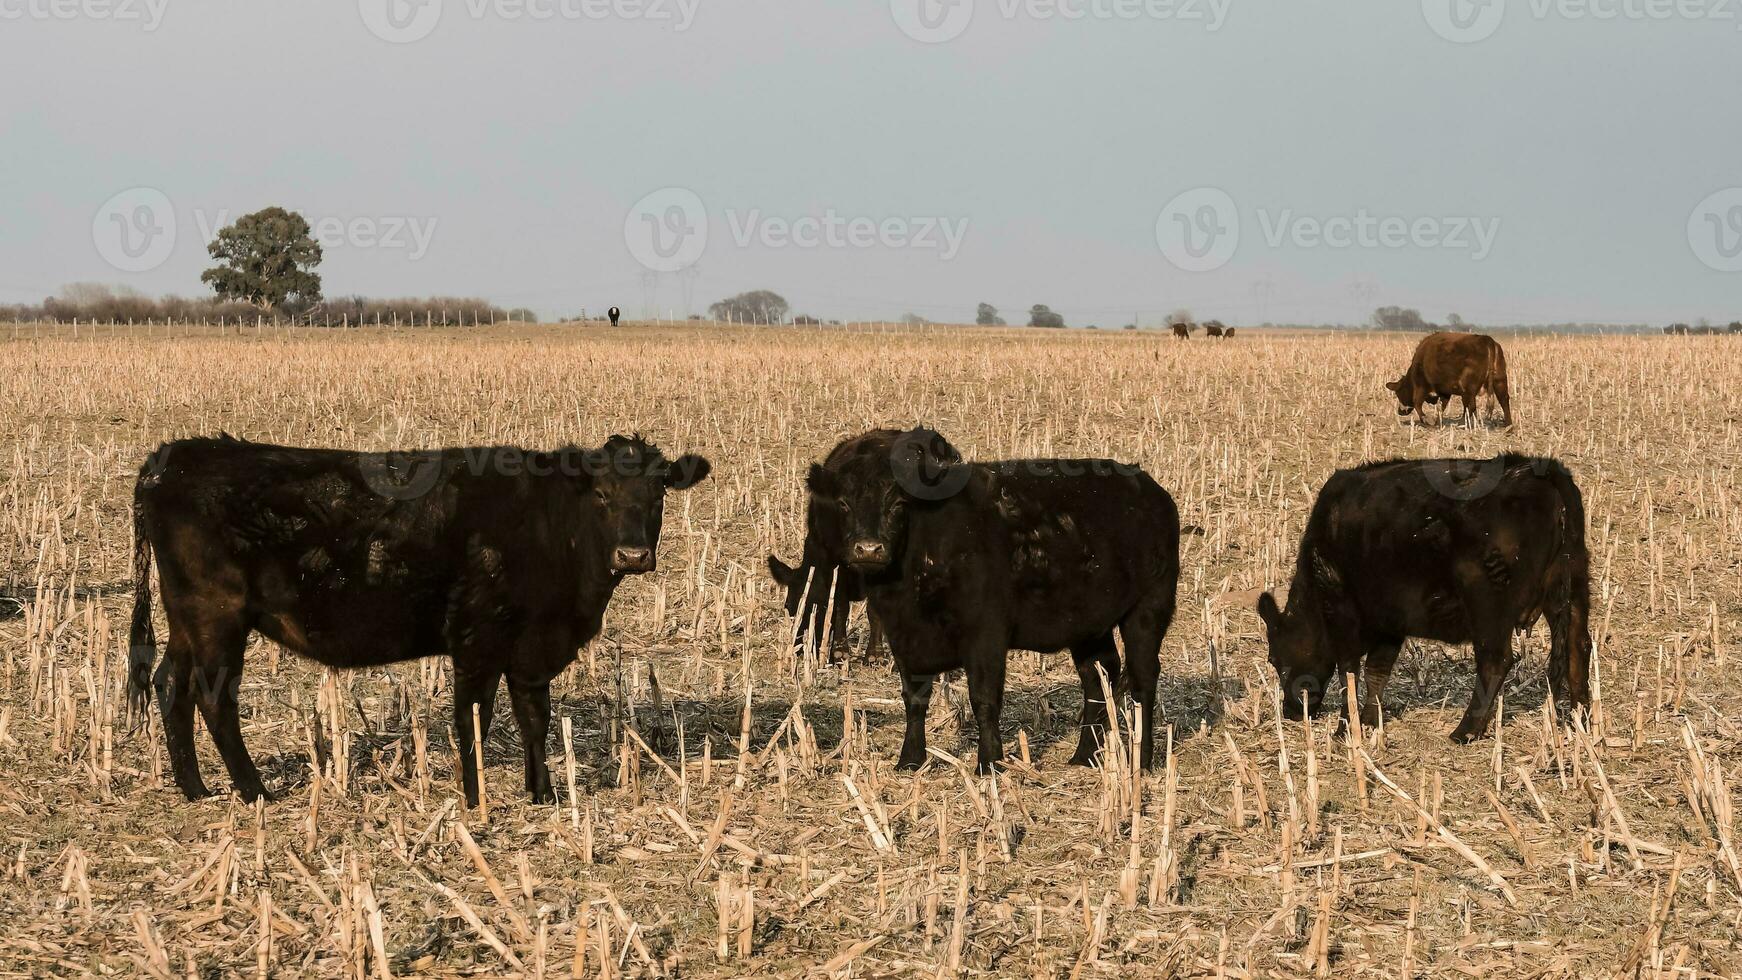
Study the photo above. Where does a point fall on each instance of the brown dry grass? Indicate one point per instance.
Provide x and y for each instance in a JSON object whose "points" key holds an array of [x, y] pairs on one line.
{"points": [[1037, 874]]}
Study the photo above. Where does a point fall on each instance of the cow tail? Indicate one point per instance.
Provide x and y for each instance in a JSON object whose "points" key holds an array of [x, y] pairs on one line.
{"points": [[1497, 368], [142, 640]]}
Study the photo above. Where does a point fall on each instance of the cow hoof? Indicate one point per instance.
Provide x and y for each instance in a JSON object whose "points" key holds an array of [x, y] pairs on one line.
{"points": [[909, 765], [1464, 736], [985, 768], [544, 798], [255, 794]]}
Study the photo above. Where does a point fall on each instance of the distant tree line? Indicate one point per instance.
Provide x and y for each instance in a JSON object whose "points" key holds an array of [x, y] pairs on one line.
{"points": [[1702, 329], [103, 303]]}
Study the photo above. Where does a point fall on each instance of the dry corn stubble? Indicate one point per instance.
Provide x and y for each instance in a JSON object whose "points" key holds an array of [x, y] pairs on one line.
{"points": [[816, 852]]}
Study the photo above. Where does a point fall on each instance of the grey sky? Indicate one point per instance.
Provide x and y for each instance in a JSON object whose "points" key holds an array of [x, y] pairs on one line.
{"points": [[1589, 147]]}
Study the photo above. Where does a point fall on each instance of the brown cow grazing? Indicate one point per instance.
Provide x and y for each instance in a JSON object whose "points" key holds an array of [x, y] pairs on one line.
{"points": [[1183, 331], [1447, 364], [1228, 333], [1214, 328], [501, 558]]}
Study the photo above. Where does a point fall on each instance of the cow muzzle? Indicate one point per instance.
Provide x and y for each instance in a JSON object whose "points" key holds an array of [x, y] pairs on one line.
{"points": [[632, 561], [868, 555], [1403, 410]]}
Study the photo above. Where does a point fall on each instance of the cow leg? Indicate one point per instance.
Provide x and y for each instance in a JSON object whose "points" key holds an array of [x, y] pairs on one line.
{"points": [[916, 698], [217, 680], [873, 633], [1142, 630], [838, 646], [1097, 652], [175, 701], [1381, 658], [532, 716], [472, 686], [1569, 657], [1504, 397], [986, 666], [1493, 663]]}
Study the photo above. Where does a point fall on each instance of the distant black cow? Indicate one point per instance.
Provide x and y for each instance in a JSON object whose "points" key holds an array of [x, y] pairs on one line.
{"points": [[1454, 550], [614, 313], [963, 562], [501, 558], [824, 568]]}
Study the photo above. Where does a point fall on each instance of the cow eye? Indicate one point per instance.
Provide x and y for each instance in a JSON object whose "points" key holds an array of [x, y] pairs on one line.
{"points": [[599, 495], [845, 508]]}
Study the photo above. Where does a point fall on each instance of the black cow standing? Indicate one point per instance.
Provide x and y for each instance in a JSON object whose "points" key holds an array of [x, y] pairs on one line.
{"points": [[614, 313], [502, 558], [823, 570], [1454, 550], [963, 562]]}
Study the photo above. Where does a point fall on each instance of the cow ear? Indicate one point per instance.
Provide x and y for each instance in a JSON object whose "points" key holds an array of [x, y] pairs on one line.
{"points": [[1392, 385], [782, 573], [821, 481], [1268, 612], [687, 471]]}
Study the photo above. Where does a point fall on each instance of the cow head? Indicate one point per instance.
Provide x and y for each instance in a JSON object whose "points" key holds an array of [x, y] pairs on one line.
{"points": [[625, 481], [1301, 653], [789, 578], [868, 495], [1405, 391]]}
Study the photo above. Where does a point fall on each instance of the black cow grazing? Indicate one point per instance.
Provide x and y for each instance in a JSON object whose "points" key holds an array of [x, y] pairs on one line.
{"points": [[502, 558], [614, 313], [823, 568], [963, 562], [812, 585], [1454, 550]]}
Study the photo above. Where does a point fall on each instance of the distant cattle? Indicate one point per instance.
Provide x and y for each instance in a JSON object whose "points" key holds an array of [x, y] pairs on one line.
{"points": [[614, 313], [1454, 550], [823, 569], [963, 562], [1448, 364], [502, 558], [1227, 333], [1183, 331], [1214, 328]]}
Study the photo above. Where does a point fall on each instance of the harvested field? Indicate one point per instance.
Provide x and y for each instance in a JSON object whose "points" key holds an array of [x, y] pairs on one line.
{"points": [[737, 811]]}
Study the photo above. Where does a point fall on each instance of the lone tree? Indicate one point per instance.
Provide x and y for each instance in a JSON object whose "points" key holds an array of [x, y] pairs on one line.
{"points": [[1042, 316], [987, 316], [756, 306], [266, 259], [1398, 318]]}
